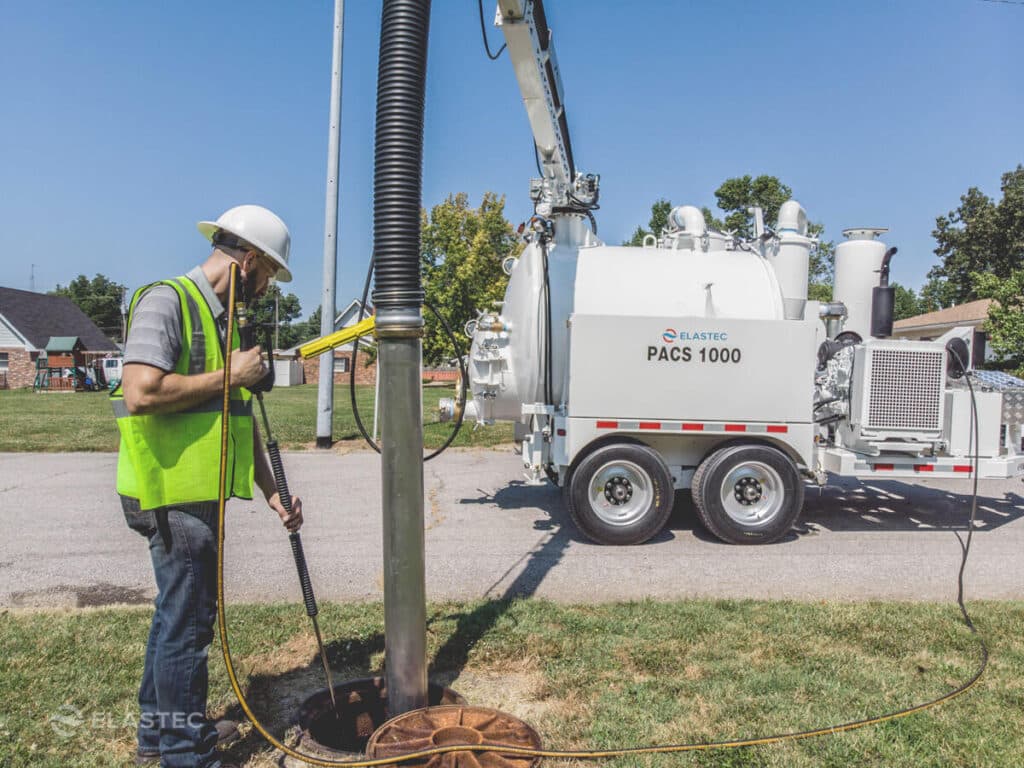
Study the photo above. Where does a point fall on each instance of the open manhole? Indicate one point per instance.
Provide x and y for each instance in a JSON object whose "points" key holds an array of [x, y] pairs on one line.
{"points": [[450, 725], [362, 706]]}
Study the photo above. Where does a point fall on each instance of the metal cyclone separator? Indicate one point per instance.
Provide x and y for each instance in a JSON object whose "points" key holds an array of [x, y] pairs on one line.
{"points": [[455, 725]]}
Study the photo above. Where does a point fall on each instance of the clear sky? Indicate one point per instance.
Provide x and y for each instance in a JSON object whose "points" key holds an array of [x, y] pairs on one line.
{"points": [[123, 123]]}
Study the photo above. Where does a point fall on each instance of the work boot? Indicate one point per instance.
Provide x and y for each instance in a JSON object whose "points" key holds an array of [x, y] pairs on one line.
{"points": [[227, 734]]}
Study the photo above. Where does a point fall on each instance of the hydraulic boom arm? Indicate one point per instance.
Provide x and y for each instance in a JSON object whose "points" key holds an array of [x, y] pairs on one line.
{"points": [[532, 52]]}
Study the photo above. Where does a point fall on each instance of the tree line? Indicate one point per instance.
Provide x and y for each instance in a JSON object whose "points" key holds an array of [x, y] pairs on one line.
{"points": [[979, 248]]}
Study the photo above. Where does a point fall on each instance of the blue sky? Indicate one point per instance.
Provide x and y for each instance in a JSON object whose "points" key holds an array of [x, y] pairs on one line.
{"points": [[124, 123]]}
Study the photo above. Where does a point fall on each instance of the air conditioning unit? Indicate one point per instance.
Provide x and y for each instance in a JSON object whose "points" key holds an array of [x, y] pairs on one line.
{"points": [[898, 391]]}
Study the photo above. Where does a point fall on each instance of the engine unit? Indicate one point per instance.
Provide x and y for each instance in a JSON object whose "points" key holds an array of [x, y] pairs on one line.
{"points": [[898, 393]]}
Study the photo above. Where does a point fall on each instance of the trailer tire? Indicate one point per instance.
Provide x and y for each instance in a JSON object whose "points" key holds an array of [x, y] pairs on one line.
{"points": [[620, 494], [748, 494]]}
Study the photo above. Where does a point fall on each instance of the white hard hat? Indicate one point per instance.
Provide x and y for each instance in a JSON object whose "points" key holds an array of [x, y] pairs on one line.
{"points": [[259, 227]]}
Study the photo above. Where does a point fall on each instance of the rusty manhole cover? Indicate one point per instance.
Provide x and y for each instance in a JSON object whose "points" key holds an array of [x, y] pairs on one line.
{"points": [[446, 726], [362, 705]]}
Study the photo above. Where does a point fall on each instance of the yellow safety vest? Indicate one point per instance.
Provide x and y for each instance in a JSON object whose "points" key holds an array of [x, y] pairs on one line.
{"points": [[174, 458]]}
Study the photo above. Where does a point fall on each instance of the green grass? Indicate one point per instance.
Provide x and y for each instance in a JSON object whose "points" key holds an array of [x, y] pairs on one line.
{"points": [[83, 421], [585, 676]]}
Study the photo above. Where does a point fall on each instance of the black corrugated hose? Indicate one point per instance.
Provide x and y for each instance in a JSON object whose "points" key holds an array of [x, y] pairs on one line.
{"points": [[398, 155]]}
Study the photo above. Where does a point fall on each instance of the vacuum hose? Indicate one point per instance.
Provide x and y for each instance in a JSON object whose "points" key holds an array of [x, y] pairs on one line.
{"points": [[398, 156]]}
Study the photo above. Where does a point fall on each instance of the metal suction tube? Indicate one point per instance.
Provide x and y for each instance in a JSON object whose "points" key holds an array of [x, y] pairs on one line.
{"points": [[397, 297]]}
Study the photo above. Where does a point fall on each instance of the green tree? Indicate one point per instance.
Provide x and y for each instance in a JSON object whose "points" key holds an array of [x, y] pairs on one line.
{"points": [[740, 193], [656, 225], [288, 309], [462, 252], [906, 303], [1005, 325], [979, 236], [735, 196], [100, 299]]}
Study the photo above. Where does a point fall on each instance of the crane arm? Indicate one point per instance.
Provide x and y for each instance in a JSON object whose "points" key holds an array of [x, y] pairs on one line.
{"points": [[532, 52]]}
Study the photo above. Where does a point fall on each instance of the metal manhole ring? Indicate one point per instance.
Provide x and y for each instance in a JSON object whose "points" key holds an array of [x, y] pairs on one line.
{"points": [[447, 725]]}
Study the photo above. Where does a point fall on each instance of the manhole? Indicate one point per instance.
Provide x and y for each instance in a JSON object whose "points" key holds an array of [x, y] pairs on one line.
{"points": [[362, 705], [450, 725]]}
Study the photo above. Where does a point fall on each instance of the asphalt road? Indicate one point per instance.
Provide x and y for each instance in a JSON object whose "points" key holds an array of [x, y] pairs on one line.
{"points": [[488, 534]]}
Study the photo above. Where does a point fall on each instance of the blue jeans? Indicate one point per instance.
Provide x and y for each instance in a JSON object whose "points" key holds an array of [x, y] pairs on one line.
{"points": [[172, 696]]}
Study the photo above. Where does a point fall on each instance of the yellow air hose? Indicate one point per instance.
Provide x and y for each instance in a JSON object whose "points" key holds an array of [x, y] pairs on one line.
{"points": [[506, 750]]}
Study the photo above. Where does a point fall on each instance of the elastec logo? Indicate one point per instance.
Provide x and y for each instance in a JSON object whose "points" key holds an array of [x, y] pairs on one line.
{"points": [[671, 335]]}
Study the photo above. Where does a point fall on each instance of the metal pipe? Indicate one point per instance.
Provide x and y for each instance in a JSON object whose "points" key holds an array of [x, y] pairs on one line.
{"points": [[397, 297], [401, 442], [325, 386]]}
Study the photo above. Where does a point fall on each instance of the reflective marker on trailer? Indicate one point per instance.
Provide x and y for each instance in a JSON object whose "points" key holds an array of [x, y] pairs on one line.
{"points": [[650, 425], [883, 467], [924, 467], [693, 427]]}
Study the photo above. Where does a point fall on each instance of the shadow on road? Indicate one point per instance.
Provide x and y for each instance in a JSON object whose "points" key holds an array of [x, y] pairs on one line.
{"points": [[556, 532], [848, 504], [853, 505]]}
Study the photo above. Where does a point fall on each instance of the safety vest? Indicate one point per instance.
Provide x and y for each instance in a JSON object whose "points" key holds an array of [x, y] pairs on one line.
{"points": [[174, 458]]}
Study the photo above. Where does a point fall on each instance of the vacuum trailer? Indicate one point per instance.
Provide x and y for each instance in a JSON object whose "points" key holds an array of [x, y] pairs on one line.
{"points": [[697, 361]]}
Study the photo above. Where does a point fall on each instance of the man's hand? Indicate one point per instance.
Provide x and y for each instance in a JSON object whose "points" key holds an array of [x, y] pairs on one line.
{"points": [[293, 521], [247, 367]]}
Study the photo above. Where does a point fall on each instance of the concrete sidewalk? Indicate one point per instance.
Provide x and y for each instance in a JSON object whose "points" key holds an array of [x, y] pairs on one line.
{"points": [[489, 535]]}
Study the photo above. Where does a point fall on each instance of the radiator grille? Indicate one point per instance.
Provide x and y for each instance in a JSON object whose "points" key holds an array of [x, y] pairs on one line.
{"points": [[906, 389]]}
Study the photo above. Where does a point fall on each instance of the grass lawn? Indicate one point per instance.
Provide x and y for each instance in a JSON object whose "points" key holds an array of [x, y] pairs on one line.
{"points": [[584, 676], [83, 421]]}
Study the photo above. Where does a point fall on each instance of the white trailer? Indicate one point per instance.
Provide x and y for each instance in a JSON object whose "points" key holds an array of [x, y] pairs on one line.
{"points": [[698, 362]]}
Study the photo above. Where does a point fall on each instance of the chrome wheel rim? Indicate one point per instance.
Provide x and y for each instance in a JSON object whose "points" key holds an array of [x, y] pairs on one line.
{"points": [[621, 493], [752, 494]]}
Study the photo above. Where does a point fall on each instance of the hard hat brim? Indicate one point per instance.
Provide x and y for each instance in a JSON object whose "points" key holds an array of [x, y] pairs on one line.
{"points": [[209, 228]]}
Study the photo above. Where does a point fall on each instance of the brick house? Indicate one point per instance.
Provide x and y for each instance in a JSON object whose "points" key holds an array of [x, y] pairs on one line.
{"points": [[27, 322]]}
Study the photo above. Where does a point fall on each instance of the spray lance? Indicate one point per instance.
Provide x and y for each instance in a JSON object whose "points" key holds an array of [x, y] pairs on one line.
{"points": [[247, 340]]}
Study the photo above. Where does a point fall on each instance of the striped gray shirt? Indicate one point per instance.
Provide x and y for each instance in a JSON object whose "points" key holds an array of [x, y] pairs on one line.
{"points": [[154, 337]]}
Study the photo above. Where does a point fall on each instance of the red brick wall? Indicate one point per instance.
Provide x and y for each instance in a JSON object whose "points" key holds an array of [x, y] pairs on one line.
{"points": [[441, 374], [21, 367], [364, 374]]}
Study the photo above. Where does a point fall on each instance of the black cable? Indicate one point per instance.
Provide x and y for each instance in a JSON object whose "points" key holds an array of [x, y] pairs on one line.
{"points": [[483, 34], [461, 408], [536, 159]]}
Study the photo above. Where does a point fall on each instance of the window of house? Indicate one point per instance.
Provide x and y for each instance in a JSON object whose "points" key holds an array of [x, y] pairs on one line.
{"points": [[3, 361], [341, 365]]}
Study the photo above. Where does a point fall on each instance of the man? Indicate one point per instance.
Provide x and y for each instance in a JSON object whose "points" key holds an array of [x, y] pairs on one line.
{"points": [[168, 409]]}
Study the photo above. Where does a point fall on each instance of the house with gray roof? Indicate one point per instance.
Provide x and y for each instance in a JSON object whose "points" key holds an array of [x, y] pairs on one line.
{"points": [[28, 321]]}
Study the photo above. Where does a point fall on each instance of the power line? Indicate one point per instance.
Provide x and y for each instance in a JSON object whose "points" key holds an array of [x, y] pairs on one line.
{"points": [[1004, 2]]}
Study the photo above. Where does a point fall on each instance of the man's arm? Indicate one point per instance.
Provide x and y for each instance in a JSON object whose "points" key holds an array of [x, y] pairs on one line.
{"points": [[148, 389]]}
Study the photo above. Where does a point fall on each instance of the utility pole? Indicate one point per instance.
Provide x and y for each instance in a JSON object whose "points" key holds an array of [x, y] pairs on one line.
{"points": [[32, 279], [325, 389]]}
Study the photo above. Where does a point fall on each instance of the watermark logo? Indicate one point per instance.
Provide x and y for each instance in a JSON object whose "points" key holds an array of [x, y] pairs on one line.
{"points": [[66, 720], [669, 335]]}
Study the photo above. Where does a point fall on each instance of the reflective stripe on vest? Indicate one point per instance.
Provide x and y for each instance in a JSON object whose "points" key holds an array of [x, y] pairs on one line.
{"points": [[174, 458]]}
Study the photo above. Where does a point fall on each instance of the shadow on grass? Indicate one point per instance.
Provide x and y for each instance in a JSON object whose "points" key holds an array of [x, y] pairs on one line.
{"points": [[277, 697]]}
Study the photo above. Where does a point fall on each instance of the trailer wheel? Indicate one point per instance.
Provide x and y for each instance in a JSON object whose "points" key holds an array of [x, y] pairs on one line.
{"points": [[620, 494], [748, 494]]}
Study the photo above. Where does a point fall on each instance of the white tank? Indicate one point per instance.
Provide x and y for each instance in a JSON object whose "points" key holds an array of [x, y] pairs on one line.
{"points": [[681, 283], [858, 261], [790, 256]]}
